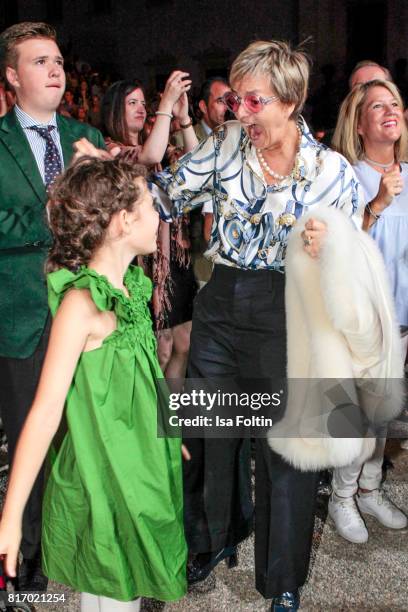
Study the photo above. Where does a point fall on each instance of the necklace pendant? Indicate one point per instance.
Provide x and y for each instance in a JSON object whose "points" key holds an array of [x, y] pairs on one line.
{"points": [[379, 164]]}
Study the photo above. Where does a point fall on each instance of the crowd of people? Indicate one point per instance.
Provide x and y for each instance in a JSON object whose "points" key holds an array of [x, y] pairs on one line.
{"points": [[87, 166]]}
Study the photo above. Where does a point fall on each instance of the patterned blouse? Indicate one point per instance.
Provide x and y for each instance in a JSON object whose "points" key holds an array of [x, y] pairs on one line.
{"points": [[252, 220]]}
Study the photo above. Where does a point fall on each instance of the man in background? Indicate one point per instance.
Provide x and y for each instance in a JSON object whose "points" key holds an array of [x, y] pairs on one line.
{"points": [[211, 106], [367, 70], [212, 109]]}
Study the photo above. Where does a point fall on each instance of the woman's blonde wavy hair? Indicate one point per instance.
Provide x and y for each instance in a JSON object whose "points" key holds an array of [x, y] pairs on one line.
{"points": [[347, 140]]}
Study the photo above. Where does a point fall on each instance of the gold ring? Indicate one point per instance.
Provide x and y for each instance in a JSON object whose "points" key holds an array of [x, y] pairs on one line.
{"points": [[307, 240]]}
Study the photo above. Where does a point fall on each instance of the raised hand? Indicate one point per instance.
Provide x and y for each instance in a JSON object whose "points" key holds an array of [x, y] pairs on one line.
{"points": [[177, 84], [391, 185], [180, 109]]}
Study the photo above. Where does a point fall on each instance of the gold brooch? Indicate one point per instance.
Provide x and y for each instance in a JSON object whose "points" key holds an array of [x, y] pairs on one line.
{"points": [[256, 219], [287, 219]]}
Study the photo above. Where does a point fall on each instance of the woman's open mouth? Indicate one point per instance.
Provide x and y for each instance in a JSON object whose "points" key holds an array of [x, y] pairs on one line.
{"points": [[253, 131]]}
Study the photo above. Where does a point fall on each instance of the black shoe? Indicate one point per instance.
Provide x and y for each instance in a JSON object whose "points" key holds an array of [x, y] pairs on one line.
{"points": [[324, 483], [201, 566], [286, 601], [30, 577], [387, 464]]}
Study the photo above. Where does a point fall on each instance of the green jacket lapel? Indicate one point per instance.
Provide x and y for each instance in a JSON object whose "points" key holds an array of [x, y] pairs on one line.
{"points": [[12, 135], [68, 137]]}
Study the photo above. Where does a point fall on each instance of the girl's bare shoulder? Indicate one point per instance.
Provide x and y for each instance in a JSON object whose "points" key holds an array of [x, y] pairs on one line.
{"points": [[81, 314], [79, 301]]}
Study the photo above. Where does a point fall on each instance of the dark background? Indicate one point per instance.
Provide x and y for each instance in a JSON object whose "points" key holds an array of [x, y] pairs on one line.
{"points": [[149, 38]]}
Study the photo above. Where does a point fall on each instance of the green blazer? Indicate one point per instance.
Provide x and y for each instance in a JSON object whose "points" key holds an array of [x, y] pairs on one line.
{"points": [[24, 236]]}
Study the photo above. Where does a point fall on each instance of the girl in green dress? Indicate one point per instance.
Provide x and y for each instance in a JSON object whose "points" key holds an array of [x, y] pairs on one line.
{"points": [[113, 512]]}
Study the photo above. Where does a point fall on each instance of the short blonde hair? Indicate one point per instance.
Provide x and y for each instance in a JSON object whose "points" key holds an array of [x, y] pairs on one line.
{"points": [[287, 69], [347, 140]]}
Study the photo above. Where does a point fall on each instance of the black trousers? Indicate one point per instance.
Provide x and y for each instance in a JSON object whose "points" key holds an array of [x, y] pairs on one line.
{"points": [[239, 331], [18, 384]]}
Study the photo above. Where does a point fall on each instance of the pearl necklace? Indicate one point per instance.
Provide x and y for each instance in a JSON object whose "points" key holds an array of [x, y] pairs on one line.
{"points": [[275, 175], [374, 163]]}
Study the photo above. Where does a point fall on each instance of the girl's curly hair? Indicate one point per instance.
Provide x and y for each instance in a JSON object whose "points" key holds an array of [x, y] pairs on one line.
{"points": [[81, 205]]}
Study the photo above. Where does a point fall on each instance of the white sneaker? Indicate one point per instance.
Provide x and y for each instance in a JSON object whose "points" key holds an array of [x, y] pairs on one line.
{"points": [[377, 504], [348, 521]]}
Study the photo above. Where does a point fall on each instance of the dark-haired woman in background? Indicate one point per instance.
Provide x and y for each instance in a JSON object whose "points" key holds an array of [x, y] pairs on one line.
{"points": [[124, 116]]}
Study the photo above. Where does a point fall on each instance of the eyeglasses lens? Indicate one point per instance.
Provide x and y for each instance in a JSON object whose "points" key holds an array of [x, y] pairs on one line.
{"points": [[232, 101], [253, 103]]}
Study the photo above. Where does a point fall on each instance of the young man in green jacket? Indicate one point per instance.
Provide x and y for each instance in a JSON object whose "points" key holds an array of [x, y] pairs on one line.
{"points": [[35, 145]]}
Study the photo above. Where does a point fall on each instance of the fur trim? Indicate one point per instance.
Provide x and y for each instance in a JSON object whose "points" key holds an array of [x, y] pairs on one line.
{"points": [[311, 454], [342, 336]]}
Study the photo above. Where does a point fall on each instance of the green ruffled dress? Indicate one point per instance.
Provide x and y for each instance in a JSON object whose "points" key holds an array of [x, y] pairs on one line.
{"points": [[113, 507]]}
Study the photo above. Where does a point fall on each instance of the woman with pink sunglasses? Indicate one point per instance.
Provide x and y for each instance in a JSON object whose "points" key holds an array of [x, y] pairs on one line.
{"points": [[261, 172]]}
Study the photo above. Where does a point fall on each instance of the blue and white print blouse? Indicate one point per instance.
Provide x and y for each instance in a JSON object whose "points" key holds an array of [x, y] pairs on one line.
{"points": [[251, 223]]}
